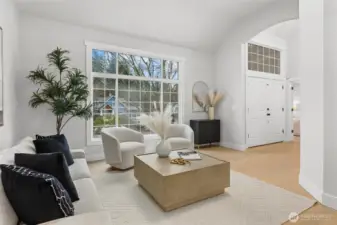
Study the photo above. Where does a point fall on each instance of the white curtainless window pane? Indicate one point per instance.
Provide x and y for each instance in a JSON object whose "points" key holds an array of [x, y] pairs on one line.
{"points": [[98, 83], [263, 59], [104, 104], [103, 61], [171, 96], [139, 66], [171, 70]]}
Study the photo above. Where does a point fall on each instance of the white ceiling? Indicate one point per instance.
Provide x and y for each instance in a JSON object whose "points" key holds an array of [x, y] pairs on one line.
{"points": [[196, 24]]}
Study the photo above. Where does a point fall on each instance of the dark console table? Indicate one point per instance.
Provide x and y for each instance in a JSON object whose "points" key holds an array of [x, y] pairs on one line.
{"points": [[205, 131]]}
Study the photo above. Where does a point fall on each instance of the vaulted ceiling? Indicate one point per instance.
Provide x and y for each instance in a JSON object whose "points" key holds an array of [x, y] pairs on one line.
{"points": [[285, 30], [196, 24]]}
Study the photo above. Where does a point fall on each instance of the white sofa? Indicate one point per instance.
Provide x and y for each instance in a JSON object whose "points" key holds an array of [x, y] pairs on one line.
{"points": [[88, 210]]}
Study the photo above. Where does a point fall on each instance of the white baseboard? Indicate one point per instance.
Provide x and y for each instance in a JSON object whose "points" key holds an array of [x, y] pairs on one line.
{"points": [[233, 146], [311, 188], [329, 200]]}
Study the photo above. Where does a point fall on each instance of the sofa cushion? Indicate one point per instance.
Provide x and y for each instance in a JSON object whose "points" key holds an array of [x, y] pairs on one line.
{"points": [[7, 214], [79, 169], [77, 153], [89, 199], [178, 143], [24, 146], [50, 163], [35, 197]]}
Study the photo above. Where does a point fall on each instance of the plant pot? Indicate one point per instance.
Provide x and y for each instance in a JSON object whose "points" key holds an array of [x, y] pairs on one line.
{"points": [[211, 113], [163, 149]]}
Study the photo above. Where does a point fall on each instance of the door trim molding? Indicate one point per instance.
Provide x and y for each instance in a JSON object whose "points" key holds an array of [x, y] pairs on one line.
{"points": [[265, 76]]}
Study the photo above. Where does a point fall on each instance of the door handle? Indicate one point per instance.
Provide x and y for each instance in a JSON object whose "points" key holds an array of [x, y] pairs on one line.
{"points": [[268, 114]]}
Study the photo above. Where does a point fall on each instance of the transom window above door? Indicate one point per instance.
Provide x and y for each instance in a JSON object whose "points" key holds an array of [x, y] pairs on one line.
{"points": [[263, 59], [124, 85]]}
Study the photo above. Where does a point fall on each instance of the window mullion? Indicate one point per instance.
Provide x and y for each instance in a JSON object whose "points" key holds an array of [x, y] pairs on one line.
{"points": [[104, 100], [162, 87], [116, 94]]}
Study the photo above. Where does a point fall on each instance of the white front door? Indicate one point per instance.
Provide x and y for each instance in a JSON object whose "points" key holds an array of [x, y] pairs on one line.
{"points": [[265, 111]]}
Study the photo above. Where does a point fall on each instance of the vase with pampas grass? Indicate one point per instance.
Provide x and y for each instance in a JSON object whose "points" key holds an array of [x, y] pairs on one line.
{"points": [[214, 98], [159, 122]]}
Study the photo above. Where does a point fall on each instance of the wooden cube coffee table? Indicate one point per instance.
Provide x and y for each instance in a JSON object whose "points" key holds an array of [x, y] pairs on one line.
{"points": [[173, 186]]}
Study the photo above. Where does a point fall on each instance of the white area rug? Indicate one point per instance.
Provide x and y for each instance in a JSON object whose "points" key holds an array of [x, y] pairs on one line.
{"points": [[247, 202]]}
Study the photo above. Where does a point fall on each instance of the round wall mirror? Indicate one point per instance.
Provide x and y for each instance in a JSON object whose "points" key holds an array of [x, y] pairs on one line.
{"points": [[200, 89]]}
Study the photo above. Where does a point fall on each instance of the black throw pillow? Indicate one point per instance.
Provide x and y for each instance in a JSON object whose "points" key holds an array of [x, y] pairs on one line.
{"points": [[50, 163], [55, 144], [35, 197], [59, 137]]}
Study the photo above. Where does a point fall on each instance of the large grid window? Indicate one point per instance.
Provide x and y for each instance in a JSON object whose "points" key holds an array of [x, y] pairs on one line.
{"points": [[263, 59], [126, 85]]}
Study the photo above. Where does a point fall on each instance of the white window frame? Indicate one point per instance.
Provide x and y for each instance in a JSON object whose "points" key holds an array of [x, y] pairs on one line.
{"points": [[91, 140], [251, 73]]}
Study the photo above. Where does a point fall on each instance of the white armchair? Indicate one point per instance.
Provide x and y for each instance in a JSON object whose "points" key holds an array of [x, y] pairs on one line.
{"points": [[120, 144], [180, 136]]}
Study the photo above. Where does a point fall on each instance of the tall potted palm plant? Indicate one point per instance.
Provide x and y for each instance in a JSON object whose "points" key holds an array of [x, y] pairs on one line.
{"points": [[62, 88]]}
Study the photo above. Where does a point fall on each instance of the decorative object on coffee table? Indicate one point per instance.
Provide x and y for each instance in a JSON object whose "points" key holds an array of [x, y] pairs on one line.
{"points": [[62, 88], [173, 186], [159, 123], [206, 132], [180, 161]]}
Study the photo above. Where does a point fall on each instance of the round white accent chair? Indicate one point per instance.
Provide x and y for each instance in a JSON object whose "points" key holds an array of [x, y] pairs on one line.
{"points": [[180, 136], [120, 144]]}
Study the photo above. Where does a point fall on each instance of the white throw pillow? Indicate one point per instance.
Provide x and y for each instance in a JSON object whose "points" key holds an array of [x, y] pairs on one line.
{"points": [[26, 145]]}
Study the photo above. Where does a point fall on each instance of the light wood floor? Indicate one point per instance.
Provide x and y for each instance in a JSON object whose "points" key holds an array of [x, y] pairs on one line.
{"points": [[277, 164]]}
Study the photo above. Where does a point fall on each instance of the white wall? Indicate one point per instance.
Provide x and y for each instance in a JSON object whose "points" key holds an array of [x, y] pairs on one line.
{"points": [[40, 36], [293, 52], [8, 21], [230, 78], [311, 73], [330, 104], [318, 97]]}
